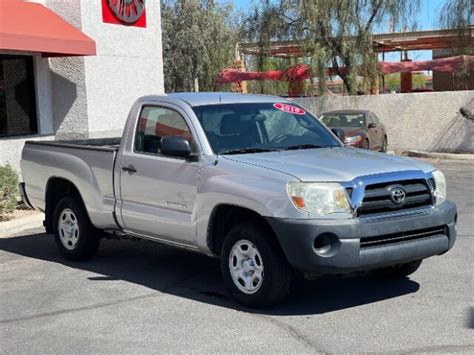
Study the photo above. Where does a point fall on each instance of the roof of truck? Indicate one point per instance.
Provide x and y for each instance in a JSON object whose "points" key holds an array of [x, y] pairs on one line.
{"points": [[213, 98]]}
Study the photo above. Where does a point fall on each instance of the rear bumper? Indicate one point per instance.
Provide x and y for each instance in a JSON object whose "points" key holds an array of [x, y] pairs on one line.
{"points": [[24, 196], [338, 248]]}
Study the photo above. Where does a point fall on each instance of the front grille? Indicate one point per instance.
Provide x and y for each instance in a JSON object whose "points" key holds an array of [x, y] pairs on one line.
{"points": [[377, 197], [386, 239]]}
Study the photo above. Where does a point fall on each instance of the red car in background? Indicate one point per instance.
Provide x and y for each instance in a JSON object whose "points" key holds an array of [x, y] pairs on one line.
{"points": [[362, 128]]}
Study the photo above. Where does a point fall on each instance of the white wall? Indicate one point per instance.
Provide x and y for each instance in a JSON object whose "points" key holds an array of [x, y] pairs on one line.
{"points": [[128, 65], [10, 149]]}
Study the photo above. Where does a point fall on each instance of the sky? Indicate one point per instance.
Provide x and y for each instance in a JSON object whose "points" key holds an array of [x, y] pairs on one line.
{"points": [[427, 19]]}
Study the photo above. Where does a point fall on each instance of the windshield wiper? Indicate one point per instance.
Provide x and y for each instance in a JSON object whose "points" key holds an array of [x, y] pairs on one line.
{"points": [[303, 146], [248, 150]]}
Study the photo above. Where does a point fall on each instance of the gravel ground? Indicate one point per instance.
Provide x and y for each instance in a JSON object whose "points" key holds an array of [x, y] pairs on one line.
{"points": [[140, 297]]}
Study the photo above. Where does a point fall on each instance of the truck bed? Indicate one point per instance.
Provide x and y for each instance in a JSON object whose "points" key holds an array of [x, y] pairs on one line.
{"points": [[87, 163]]}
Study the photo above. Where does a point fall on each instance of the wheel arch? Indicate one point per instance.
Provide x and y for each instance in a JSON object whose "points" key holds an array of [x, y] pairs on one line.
{"points": [[225, 216], [56, 189]]}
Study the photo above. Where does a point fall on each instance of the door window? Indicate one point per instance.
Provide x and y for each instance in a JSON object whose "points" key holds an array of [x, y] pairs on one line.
{"points": [[155, 123]]}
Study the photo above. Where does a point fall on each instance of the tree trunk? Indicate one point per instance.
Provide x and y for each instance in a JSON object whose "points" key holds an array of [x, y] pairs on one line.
{"points": [[196, 84], [343, 76]]}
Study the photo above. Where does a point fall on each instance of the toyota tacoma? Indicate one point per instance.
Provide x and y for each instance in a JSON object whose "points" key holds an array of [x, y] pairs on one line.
{"points": [[254, 180]]}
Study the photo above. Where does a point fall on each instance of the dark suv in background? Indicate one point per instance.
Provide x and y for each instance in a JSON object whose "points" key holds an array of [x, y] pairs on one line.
{"points": [[362, 128]]}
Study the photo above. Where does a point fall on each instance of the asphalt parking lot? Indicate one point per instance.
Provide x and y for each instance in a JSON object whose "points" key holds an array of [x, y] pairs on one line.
{"points": [[141, 297]]}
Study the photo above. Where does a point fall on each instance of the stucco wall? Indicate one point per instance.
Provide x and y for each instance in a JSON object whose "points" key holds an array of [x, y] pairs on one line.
{"points": [[68, 83], [10, 149], [91, 96], [421, 121], [128, 65]]}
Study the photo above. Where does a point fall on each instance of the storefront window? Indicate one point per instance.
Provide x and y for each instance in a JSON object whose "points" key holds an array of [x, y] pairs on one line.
{"points": [[17, 96]]}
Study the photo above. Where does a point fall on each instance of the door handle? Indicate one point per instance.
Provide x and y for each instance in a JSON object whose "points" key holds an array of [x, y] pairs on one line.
{"points": [[129, 169]]}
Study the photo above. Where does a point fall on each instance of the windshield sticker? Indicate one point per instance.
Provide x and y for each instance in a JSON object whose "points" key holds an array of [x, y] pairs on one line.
{"points": [[289, 108]]}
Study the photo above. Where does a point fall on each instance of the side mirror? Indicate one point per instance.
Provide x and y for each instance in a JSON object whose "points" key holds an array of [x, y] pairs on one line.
{"points": [[175, 146], [339, 132], [372, 125]]}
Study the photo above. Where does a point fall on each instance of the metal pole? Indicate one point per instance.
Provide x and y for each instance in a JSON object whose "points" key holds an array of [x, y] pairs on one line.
{"points": [[383, 76]]}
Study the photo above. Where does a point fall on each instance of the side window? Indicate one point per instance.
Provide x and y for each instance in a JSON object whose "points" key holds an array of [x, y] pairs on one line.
{"points": [[155, 123]]}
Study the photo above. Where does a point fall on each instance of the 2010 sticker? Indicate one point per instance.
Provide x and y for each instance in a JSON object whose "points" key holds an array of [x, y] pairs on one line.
{"points": [[289, 108]]}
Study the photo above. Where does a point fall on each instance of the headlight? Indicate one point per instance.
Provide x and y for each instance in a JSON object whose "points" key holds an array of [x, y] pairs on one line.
{"points": [[353, 139], [319, 198], [440, 187]]}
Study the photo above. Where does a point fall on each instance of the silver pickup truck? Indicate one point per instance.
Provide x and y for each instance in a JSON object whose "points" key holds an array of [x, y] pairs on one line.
{"points": [[255, 180]]}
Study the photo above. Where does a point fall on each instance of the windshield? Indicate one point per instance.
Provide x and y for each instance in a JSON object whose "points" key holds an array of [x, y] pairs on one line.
{"points": [[356, 120], [258, 127]]}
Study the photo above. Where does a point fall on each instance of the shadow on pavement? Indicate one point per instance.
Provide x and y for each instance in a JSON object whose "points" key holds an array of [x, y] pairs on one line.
{"points": [[197, 277]]}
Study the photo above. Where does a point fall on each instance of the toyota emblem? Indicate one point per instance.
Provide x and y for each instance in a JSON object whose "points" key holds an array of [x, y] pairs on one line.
{"points": [[398, 195]]}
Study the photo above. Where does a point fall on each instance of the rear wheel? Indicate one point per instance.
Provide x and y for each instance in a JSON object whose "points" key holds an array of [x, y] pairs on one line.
{"points": [[253, 267], [76, 237], [399, 271]]}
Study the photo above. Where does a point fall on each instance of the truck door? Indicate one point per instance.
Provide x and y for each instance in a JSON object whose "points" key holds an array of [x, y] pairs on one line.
{"points": [[158, 193]]}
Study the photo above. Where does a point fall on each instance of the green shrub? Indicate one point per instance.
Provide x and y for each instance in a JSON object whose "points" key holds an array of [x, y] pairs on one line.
{"points": [[8, 190]]}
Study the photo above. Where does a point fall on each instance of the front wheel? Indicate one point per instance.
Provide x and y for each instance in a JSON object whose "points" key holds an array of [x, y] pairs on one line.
{"points": [[399, 271], [253, 267], [76, 237]]}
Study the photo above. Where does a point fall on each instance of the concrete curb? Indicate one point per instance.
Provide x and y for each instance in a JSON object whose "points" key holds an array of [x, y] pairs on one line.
{"points": [[446, 156], [20, 224]]}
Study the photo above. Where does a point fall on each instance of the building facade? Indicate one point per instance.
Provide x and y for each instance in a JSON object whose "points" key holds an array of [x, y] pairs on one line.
{"points": [[82, 85]]}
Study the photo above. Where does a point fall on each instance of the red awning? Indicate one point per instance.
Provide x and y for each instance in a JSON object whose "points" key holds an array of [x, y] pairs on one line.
{"points": [[31, 27]]}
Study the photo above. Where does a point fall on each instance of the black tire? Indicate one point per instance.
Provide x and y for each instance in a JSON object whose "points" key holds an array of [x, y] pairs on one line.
{"points": [[276, 276], [384, 147], [88, 237], [366, 144], [399, 271]]}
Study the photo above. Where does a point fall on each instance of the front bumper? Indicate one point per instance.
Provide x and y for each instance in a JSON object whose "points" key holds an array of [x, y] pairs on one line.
{"points": [[345, 254]]}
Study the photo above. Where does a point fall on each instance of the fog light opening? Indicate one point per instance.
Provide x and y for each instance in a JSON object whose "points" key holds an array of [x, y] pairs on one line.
{"points": [[326, 244]]}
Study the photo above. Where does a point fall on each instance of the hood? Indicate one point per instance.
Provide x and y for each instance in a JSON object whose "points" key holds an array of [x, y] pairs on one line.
{"points": [[330, 164]]}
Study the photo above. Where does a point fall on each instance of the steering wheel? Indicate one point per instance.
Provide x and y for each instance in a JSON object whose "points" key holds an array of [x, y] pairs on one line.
{"points": [[280, 137]]}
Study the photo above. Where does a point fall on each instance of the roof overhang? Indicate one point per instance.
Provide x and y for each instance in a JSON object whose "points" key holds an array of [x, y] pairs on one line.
{"points": [[32, 28], [383, 42]]}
